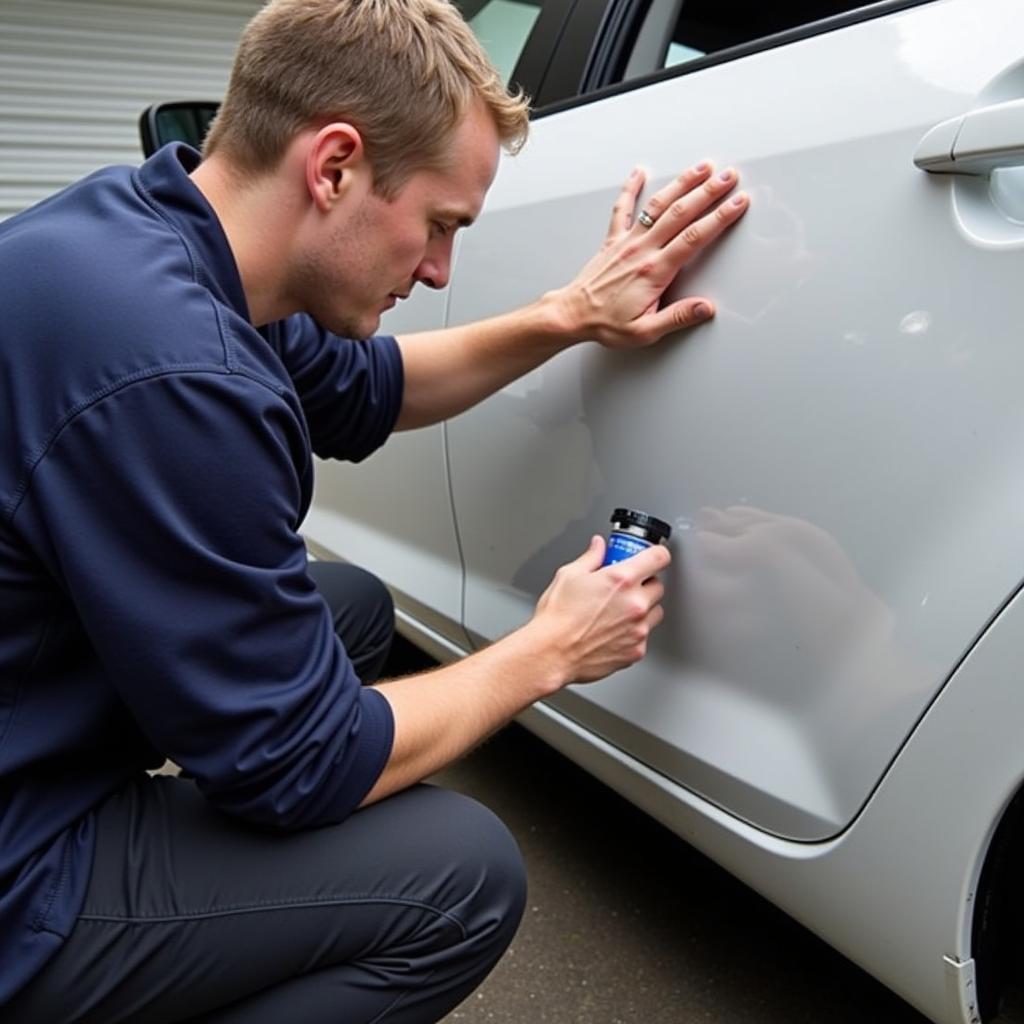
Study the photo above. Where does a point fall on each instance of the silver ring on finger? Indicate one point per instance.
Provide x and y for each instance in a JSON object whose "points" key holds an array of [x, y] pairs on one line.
{"points": [[645, 219]]}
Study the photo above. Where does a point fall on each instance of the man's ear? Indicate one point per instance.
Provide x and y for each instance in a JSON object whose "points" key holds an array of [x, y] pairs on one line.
{"points": [[334, 160]]}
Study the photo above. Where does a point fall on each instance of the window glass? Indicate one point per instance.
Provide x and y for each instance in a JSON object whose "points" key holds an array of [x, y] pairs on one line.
{"points": [[503, 26], [677, 33], [680, 54]]}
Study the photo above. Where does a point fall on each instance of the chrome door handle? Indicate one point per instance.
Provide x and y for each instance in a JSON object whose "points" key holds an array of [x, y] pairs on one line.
{"points": [[975, 143]]}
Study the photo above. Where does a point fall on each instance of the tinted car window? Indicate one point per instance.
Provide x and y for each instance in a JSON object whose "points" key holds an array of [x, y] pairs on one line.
{"points": [[675, 33], [503, 26]]}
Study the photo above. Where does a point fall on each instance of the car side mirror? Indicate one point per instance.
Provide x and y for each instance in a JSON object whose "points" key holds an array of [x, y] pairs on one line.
{"points": [[184, 121]]}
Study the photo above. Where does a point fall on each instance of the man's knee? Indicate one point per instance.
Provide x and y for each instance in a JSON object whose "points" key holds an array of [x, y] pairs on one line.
{"points": [[344, 586], [362, 611], [465, 861], [492, 870]]}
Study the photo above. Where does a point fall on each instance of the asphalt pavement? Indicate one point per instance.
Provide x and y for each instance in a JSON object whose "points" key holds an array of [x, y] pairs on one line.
{"points": [[627, 924]]}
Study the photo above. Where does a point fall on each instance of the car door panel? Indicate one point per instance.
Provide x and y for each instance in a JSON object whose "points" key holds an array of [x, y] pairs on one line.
{"points": [[835, 450], [392, 513]]}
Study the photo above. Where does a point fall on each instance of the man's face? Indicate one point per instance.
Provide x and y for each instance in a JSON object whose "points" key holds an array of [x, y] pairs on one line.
{"points": [[372, 256]]}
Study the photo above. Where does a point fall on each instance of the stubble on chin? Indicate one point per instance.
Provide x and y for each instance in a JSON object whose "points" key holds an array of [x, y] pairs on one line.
{"points": [[315, 291], [341, 323], [347, 327]]}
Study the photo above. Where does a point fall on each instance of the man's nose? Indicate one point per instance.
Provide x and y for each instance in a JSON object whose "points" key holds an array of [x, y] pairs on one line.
{"points": [[435, 270]]}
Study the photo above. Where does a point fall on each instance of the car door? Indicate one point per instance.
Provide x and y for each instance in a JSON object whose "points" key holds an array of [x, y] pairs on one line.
{"points": [[836, 451]]}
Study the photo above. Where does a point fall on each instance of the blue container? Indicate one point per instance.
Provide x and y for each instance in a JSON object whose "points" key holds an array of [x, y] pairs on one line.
{"points": [[632, 532]]}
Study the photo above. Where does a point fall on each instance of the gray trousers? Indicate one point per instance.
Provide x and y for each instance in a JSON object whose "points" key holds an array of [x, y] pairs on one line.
{"points": [[395, 915]]}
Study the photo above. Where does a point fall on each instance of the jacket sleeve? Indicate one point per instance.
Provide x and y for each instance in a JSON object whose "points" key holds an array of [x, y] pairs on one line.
{"points": [[169, 513], [351, 391]]}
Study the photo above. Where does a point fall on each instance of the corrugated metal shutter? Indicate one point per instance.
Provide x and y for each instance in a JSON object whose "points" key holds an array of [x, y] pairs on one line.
{"points": [[76, 74]]}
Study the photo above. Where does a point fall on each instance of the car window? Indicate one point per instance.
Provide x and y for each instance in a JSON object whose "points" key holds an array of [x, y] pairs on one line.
{"points": [[503, 26], [675, 33]]}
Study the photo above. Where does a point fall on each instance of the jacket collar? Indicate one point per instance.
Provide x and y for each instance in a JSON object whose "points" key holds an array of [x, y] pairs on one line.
{"points": [[164, 182]]}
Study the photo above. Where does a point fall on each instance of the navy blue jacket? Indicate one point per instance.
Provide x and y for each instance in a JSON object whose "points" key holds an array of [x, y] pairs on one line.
{"points": [[155, 465]]}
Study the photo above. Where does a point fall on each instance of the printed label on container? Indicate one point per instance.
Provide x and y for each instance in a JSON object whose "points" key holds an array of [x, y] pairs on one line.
{"points": [[622, 545]]}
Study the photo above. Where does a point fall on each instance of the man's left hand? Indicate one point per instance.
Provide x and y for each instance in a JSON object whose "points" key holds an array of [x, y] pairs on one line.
{"points": [[615, 298]]}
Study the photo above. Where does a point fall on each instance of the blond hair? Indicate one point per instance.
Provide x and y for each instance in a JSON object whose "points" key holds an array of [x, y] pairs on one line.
{"points": [[403, 72]]}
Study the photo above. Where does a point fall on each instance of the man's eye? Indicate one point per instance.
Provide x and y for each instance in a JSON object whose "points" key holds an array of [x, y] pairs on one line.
{"points": [[441, 229]]}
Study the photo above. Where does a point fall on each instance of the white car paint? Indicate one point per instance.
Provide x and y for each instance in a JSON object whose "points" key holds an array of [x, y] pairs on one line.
{"points": [[838, 452], [832, 565]]}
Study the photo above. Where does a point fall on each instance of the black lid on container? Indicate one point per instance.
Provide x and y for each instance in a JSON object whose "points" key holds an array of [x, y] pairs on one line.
{"points": [[631, 517]]}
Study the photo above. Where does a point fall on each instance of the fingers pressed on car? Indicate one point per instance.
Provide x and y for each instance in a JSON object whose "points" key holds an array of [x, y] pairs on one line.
{"points": [[686, 209], [695, 235], [685, 183], [625, 202]]}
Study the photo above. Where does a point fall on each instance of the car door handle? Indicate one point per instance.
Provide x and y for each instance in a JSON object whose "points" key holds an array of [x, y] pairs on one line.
{"points": [[975, 143]]}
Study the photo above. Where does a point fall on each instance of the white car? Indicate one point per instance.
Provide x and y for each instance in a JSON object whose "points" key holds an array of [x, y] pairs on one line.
{"points": [[833, 707]]}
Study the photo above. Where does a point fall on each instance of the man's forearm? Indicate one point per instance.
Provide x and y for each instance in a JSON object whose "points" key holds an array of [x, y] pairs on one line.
{"points": [[448, 371], [441, 715]]}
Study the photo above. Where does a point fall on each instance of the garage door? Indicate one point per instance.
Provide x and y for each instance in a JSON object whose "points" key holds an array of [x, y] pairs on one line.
{"points": [[75, 74]]}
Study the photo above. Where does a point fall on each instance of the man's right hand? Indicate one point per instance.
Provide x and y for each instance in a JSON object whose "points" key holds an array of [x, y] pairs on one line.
{"points": [[588, 623], [598, 619]]}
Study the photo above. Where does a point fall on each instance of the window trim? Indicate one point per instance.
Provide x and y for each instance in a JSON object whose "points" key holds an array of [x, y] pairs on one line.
{"points": [[793, 35], [620, 28], [570, 57], [544, 41]]}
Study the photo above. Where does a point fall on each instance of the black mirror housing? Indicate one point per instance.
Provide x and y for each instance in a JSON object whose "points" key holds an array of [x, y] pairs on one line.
{"points": [[183, 121]]}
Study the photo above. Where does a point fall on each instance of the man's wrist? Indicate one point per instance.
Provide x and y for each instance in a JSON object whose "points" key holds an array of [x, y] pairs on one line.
{"points": [[559, 317], [547, 665]]}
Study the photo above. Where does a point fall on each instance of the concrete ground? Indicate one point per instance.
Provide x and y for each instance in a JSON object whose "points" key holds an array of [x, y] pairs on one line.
{"points": [[627, 924]]}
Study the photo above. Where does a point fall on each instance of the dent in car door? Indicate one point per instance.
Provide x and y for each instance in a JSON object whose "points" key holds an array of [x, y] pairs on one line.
{"points": [[837, 450]]}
